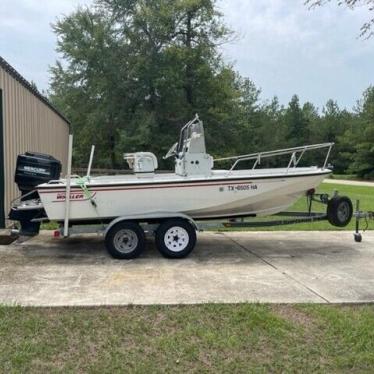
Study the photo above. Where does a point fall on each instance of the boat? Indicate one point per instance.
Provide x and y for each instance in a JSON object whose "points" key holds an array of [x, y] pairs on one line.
{"points": [[196, 190]]}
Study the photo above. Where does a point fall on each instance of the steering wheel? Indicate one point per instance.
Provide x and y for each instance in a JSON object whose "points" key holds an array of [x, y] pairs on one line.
{"points": [[172, 151]]}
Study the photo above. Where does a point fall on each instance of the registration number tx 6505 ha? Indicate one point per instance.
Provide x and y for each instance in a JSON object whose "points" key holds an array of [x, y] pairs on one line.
{"points": [[242, 187]]}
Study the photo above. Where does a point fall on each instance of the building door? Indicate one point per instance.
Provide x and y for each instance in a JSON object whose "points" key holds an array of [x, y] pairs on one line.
{"points": [[2, 165]]}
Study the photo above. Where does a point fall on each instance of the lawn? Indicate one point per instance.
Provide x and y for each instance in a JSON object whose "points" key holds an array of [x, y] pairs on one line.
{"points": [[363, 193], [199, 338], [350, 177]]}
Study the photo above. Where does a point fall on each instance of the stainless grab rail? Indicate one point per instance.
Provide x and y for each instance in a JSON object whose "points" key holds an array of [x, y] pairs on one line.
{"points": [[296, 154]]}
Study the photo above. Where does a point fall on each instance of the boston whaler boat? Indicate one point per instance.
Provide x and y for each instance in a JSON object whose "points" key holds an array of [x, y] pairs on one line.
{"points": [[169, 203]]}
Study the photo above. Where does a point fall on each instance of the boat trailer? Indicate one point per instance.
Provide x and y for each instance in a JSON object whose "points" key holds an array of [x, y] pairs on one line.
{"points": [[339, 213], [289, 218]]}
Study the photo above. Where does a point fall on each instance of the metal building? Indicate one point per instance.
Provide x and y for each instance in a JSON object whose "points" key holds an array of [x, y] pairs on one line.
{"points": [[28, 122]]}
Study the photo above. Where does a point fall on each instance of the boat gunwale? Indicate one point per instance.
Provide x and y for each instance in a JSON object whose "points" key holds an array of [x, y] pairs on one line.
{"points": [[156, 184]]}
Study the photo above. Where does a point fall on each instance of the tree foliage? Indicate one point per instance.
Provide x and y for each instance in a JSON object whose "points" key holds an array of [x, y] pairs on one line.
{"points": [[134, 71], [362, 136]]}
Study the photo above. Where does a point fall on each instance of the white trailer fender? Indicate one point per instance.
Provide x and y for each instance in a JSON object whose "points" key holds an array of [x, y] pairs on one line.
{"points": [[151, 215]]}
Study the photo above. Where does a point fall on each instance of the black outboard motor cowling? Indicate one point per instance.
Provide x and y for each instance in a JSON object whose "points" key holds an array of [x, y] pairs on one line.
{"points": [[33, 169]]}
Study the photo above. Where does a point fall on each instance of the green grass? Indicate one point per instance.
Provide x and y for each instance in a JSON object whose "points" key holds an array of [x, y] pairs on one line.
{"points": [[363, 193], [350, 177], [52, 225], [206, 338]]}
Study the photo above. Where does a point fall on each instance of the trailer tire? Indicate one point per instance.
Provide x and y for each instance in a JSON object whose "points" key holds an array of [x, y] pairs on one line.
{"points": [[339, 211], [176, 238], [125, 240]]}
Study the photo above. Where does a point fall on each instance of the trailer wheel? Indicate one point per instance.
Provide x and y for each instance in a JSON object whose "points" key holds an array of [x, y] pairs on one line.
{"points": [[125, 240], [176, 238], [339, 211]]}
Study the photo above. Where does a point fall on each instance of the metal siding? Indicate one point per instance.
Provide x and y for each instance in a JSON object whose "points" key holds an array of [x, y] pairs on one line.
{"points": [[2, 207], [29, 125]]}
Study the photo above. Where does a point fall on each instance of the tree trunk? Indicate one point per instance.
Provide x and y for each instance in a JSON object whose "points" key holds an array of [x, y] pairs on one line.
{"points": [[189, 71], [112, 143]]}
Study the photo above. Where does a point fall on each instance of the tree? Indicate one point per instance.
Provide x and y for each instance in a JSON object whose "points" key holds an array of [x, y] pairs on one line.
{"points": [[363, 137], [88, 89], [366, 28], [132, 72], [296, 123], [135, 71], [331, 127]]}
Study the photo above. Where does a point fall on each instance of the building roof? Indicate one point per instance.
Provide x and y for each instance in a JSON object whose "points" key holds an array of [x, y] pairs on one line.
{"points": [[25, 83]]}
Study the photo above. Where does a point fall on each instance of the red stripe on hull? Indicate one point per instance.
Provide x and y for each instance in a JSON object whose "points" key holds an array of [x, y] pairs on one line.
{"points": [[147, 187]]}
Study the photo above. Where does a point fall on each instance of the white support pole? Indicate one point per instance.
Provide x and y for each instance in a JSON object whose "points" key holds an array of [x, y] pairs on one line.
{"points": [[67, 192], [90, 162], [327, 156]]}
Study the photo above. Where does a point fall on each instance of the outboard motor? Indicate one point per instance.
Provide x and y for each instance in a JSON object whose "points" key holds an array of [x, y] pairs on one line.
{"points": [[32, 169], [35, 168]]}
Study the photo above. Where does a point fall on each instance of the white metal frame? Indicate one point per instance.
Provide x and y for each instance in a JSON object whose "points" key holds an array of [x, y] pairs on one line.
{"points": [[102, 229], [174, 149]]}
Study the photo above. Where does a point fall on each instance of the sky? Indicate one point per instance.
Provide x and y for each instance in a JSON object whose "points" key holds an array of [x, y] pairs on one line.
{"points": [[281, 45]]}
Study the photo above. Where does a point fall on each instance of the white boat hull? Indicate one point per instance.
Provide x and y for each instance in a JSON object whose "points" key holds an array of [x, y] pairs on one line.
{"points": [[240, 194]]}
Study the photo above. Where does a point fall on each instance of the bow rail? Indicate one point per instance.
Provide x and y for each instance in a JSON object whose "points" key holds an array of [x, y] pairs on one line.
{"points": [[296, 154]]}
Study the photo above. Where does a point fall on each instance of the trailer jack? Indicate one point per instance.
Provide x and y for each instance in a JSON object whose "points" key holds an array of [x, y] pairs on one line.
{"points": [[361, 215]]}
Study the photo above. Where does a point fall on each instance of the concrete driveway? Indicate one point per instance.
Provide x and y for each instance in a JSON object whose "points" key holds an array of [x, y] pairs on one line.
{"points": [[279, 267]]}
